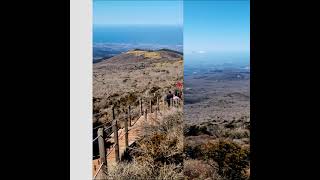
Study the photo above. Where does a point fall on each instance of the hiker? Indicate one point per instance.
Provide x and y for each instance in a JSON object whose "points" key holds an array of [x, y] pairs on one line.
{"points": [[169, 97], [178, 93], [176, 99]]}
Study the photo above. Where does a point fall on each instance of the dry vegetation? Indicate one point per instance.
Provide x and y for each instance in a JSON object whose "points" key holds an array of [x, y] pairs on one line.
{"points": [[221, 149], [217, 125], [220, 159], [214, 141], [158, 154], [199, 169], [121, 80]]}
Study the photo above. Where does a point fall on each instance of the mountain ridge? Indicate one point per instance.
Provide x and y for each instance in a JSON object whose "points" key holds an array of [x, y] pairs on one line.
{"points": [[142, 55]]}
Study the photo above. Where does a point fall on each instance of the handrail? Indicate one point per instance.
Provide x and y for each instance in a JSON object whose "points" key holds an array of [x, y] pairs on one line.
{"points": [[134, 117], [98, 170]]}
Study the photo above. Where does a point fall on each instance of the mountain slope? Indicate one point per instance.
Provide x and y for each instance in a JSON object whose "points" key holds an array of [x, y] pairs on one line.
{"points": [[121, 80]]}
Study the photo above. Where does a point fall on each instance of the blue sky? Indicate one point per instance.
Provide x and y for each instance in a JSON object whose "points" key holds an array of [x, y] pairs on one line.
{"points": [[209, 25], [216, 26], [121, 12]]}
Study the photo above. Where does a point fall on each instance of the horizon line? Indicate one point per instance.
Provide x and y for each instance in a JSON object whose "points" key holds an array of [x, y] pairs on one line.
{"points": [[138, 24]]}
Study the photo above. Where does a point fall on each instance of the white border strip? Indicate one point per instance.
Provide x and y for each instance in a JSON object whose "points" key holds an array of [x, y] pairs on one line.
{"points": [[80, 89]]}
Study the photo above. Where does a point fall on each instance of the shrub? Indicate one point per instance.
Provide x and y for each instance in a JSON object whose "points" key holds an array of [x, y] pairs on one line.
{"points": [[198, 169], [193, 151], [170, 171], [237, 133], [231, 158], [133, 170], [195, 130], [162, 142], [145, 170]]}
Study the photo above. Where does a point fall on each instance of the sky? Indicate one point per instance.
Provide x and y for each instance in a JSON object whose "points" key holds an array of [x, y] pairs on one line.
{"points": [[208, 25], [107, 12], [216, 26]]}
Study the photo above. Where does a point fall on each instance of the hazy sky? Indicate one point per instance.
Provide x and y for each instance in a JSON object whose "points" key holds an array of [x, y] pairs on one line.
{"points": [[138, 12], [216, 26]]}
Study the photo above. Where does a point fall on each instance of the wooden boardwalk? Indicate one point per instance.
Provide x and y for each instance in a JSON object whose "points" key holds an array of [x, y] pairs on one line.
{"points": [[134, 133]]}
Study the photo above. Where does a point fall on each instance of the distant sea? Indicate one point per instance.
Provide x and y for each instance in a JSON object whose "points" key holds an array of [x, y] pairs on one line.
{"points": [[208, 61], [110, 40]]}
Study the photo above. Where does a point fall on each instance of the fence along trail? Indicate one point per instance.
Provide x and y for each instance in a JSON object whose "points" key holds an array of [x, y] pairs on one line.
{"points": [[125, 138]]}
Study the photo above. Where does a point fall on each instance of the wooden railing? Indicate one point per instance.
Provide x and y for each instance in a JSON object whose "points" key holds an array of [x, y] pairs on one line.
{"points": [[127, 122]]}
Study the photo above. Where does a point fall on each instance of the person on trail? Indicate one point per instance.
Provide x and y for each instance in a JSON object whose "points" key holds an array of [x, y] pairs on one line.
{"points": [[176, 93], [175, 98], [169, 97]]}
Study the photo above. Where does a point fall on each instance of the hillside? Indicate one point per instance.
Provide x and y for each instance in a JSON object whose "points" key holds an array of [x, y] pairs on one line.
{"points": [[121, 80], [155, 143]]}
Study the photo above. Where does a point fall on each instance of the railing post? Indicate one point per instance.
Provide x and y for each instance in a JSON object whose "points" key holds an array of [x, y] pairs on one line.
{"points": [[141, 112], [102, 152], [129, 115], [113, 115], [164, 104], [158, 107], [116, 140], [150, 106], [146, 114], [126, 130], [156, 114]]}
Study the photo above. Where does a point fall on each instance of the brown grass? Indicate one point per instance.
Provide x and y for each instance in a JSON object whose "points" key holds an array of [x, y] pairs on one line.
{"points": [[145, 170], [122, 84], [159, 152], [198, 169], [163, 141], [229, 159]]}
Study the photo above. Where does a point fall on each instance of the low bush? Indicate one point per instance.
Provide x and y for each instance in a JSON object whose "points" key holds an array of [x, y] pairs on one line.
{"points": [[198, 169], [237, 133], [232, 159], [195, 130], [158, 154], [163, 142]]}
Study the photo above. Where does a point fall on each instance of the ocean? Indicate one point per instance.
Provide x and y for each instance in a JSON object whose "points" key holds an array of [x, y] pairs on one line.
{"points": [[110, 40], [207, 61]]}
